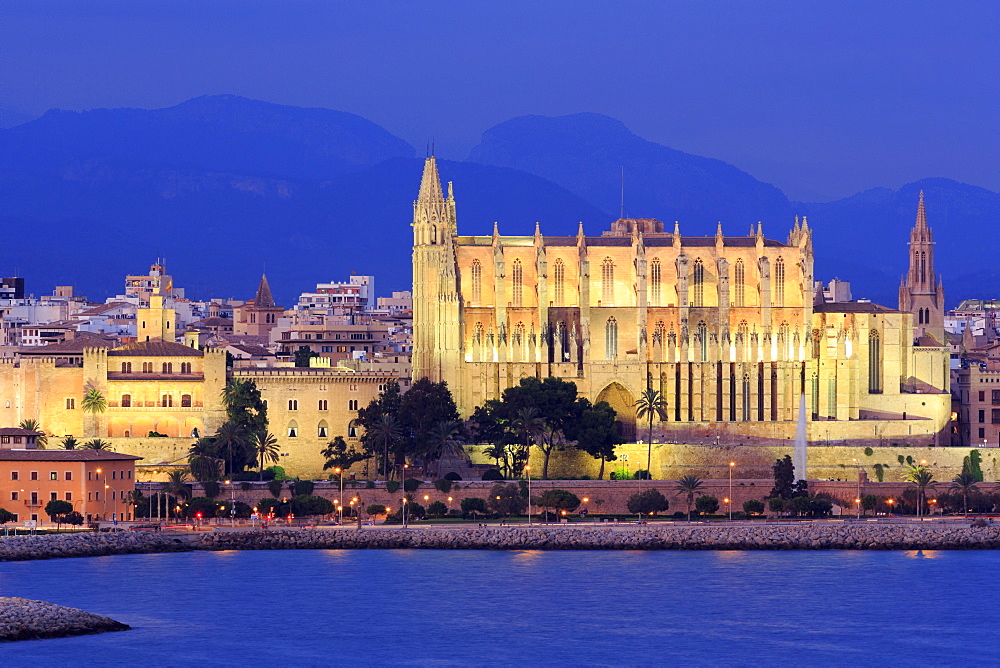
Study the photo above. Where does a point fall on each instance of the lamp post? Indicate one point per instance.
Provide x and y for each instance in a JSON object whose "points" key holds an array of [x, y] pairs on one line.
{"points": [[98, 480], [527, 474], [232, 502], [890, 502], [405, 466], [858, 499], [341, 498], [732, 465], [106, 488]]}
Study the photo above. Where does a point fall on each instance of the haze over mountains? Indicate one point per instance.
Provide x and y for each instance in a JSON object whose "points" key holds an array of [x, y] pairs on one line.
{"points": [[224, 186]]}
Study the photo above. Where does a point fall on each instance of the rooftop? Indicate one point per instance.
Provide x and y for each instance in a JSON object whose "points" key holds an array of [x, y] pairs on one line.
{"points": [[63, 456], [155, 349]]}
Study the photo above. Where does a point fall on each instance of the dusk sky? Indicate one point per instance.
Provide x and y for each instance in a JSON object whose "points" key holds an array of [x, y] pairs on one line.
{"points": [[820, 99]]}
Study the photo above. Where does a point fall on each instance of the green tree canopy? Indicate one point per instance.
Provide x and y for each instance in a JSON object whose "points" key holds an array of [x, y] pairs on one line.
{"points": [[595, 431], [56, 509], [648, 502], [473, 505], [558, 500], [338, 454], [784, 478], [506, 500], [244, 406], [707, 504], [689, 485]]}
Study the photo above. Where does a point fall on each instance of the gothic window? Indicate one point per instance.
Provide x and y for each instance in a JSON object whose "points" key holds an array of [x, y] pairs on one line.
{"points": [[745, 403], [321, 429], [739, 291], [560, 278], [785, 338], [816, 344], [779, 282], [874, 363], [185, 401], [611, 339], [608, 282], [660, 333], [563, 342], [743, 330], [654, 282], [703, 341], [477, 282], [478, 334], [698, 278], [126, 401], [517, 276], [923, 266], [519, 337]]}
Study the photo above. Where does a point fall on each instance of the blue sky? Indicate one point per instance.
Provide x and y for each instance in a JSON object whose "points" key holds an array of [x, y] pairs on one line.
{"points": [[820, 99]]}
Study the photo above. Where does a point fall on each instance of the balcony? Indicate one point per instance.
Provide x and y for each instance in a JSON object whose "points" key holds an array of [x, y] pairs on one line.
{"points": [[177, 377]]}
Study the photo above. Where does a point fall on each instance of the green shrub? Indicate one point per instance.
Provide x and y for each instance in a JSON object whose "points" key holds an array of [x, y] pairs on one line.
{"points": [[245, 486], [869, 452], [200, 504], [453, 476], [642, 474], [776, 504], [648, 502], [437, 509], [473, 505], [753, 507], [492, 474], [391, 486], [307, 505], [274, 486], [375, 509], [267, 504], [706, 505], [303, 487], [412, 485], [443, 485], [369, 484]]}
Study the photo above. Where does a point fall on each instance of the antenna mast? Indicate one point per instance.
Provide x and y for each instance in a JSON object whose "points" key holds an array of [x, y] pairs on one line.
{"points": [[621, 214]]}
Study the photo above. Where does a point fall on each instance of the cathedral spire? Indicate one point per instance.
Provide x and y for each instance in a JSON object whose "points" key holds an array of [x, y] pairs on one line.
{"points": [[430, 182], [264, 297]]}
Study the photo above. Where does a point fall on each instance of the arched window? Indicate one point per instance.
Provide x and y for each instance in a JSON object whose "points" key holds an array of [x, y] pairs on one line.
{"points": [[168, 367], [126, 367], [654, 282], [745, 404], [698, 278], [352, 404], [323, 405], [126, 401], [740, 278], [779, 282], [611, 339], [660, 332], [293, 404], [147, 367], [874, 363], [703, 341], [517, 277], [923, 266], [293, 429], [321, 429], [185, 367], [608, 282], [477, 282], [559, 272], [563, 342]]}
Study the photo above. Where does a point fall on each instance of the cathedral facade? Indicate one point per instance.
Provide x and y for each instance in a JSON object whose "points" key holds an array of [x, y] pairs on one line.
{"points": [[727, 328]]}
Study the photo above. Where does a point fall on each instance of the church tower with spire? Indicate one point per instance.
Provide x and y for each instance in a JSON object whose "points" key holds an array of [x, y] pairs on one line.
{"points": [[437, 323], [921, 291], [259, 316]]}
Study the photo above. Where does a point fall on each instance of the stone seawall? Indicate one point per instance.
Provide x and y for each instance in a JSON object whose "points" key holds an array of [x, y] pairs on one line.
{"points": [[24, 619], [783, 536]]}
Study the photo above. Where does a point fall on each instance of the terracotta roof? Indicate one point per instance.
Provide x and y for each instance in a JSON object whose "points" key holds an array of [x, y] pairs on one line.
{"points": [[928, 341], [259, 351], [97, 310], [17, 431], [72, 346], [852, 307], [63, 456], [155, 349], [212, 321]]}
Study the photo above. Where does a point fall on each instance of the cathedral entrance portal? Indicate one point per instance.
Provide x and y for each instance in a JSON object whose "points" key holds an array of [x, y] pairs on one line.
{"points": [[622, 401]]}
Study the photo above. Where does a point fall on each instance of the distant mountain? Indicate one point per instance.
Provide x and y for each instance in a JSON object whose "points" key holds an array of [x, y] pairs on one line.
{"points": [[585, 153], [219, 133], [863, 238]]}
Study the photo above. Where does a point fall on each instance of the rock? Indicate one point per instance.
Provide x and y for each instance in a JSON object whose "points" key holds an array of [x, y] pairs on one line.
{"points": [[24, 619]]}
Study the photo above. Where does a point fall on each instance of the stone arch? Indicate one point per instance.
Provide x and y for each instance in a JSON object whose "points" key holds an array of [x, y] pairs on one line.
{"points": [[322, 429], [623, 402], [168, 425], [190, 424], [142, 426], [118, 427]]}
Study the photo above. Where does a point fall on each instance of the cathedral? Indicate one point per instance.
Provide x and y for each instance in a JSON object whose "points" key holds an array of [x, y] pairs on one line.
{"points": [[729, 329]]}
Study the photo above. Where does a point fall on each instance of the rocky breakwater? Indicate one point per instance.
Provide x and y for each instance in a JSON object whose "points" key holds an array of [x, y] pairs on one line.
{"points": [[24, 619], [804, 536], [88, 544]]}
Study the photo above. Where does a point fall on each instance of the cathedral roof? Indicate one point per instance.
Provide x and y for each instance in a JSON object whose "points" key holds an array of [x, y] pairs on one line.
{"points": [[852, 307], [648, 240], [155, 349]]}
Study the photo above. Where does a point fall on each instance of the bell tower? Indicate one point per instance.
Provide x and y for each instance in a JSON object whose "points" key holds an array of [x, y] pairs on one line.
{"points": [[921, 291], [437, 327]]}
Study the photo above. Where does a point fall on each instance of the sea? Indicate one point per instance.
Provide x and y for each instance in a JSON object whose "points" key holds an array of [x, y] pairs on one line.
{"points": [[521, 608]]}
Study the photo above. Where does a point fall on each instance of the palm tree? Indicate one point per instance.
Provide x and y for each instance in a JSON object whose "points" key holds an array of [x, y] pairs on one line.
{"points": [[689, 485], [922, 477], [443, 441], [202, 461], [69, 442], [265, 447], [32, 425], [385, 432], [649, 404], [176, 485], [95, 444], [230, 435], [93, 404], [964, 482], [528, 424]]}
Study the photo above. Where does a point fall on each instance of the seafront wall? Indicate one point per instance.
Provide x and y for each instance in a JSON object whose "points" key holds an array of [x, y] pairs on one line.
{"points": [[777, 536]]}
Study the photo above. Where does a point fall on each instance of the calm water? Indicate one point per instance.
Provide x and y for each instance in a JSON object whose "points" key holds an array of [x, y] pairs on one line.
{"points": [[561, 608]]}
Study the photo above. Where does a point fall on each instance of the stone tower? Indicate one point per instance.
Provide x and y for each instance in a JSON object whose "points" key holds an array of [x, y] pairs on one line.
{"points": [[922, 292], [437, 326], [260, 316]]}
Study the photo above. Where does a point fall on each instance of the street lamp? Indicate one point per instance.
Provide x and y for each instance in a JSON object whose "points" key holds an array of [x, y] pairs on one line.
{"points": [[232, 502], [341, 472], [858, 465], [890, 502], [527, 474], [858, 502], [405, 466], [98, 480], [729, 504], [106, 488], [732, 465]]}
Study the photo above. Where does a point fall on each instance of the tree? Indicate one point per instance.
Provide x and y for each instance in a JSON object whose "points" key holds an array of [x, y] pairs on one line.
{"points": [[7, 516], [201, 504], [595, 432], [556, 403], [95, 444], [303, 356], [557, 500], [473, 505], [964, 482], [74, 519], [784, 478], [443, 441], [94, 404], [869, 502], [69, 443], [437, 509], [385, 432], [337, 454], [266, 449], [753, 507], [245, 406], [231, 439], [650, 404], [922, 477], [377, 509], [423, 406], [306, 505], [56, 509], [689, 485], [32, 425], [707, 504], [647, 502], [203, 460], [176, 485], [506, 500], [972, 464]]}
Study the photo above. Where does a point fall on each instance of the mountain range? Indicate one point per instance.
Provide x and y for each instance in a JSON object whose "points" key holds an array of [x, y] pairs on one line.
{"points": [[224, 188]]}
